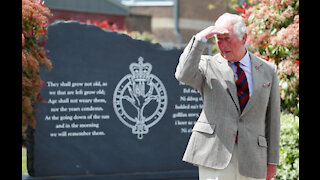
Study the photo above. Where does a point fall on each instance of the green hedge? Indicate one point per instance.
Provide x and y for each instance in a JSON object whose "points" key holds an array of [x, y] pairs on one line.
{"points": [[288, 168]]}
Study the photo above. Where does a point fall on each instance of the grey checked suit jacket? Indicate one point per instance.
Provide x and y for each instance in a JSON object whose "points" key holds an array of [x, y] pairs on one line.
{"points": [[213, 138]]}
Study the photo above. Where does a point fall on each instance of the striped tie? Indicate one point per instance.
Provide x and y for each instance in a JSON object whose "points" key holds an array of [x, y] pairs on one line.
{"points": [[242, 87]]}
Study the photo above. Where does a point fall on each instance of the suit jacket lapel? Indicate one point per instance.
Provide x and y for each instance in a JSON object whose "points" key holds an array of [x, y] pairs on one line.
{"points": [[228, 80], [257, 78]]}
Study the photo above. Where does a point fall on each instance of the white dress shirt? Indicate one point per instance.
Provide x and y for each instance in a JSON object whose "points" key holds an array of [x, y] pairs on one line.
{"points": [[245, 65], [200, 38]]}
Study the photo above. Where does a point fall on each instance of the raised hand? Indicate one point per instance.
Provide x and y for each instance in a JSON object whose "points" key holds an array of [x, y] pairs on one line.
{"points": [[212, 30]]}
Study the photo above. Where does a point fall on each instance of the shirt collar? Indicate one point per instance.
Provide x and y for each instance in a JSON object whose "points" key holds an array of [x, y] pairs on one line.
{"points": [[245, 60]]}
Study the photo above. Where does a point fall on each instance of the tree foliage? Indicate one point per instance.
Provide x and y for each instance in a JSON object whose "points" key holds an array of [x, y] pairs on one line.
{"points": [[288, 168], [273, 34], [34, 34]]}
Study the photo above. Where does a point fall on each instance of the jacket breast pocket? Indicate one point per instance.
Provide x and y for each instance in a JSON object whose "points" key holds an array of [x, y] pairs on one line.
{"points": [[204, 127], [262, 141]]}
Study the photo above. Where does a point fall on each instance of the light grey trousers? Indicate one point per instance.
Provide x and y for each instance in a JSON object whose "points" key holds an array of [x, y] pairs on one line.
{"points": [[231, 172]]}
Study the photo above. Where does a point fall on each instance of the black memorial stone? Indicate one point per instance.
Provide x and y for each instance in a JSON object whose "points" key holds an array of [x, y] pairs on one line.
{"points": [[112, 108]]}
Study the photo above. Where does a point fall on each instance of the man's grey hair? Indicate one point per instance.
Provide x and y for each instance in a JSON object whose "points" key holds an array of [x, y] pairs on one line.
{"points": [[239, 27]]}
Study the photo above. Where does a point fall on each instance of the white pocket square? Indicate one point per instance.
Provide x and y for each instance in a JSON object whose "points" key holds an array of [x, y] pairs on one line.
{"points": [[267, 84]]}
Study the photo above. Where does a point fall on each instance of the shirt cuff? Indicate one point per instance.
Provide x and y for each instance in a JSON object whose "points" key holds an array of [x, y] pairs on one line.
{"points": [[272, 163], [200, 38]]}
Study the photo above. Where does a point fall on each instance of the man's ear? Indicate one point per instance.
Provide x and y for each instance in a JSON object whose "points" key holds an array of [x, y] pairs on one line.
{"points": [[244, 38]]}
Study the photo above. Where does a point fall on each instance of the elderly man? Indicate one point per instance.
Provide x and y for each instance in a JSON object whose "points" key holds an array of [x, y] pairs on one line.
{"points": [[237, 134]]}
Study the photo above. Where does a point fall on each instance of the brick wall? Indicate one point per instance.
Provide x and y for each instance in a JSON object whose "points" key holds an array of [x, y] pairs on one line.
{"points": [[193, 17]]}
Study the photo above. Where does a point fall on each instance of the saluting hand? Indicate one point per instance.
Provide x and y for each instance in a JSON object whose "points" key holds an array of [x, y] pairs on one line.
{"points": [[212, 30]]}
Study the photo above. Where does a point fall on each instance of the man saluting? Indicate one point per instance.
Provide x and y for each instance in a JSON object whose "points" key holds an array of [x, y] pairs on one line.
{"points": [[236, 136]]}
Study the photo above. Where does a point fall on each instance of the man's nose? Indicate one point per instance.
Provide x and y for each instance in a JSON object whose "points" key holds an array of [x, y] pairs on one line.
{"points": [[222, 44]]}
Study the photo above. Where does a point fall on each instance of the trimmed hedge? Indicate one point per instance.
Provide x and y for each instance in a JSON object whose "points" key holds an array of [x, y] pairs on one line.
{"points": [[288, 168]]}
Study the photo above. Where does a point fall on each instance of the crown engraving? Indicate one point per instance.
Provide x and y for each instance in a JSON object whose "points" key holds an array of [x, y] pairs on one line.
{"points": [[140, 71]]}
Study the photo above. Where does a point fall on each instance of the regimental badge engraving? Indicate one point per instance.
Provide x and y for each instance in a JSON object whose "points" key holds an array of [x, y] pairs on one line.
{"points": [[140, 99]]}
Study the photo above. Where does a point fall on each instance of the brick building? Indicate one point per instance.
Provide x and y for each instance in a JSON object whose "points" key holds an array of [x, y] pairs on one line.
{"points": [[191, 17], [88, 10], [172, 22]]}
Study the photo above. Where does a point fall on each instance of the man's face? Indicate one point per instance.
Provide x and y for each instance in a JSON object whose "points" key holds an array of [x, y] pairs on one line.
{"points": [[230, 47]]}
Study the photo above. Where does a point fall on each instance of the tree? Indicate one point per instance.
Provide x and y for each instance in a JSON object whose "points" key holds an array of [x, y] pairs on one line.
{"points": [[273, 34], [34, 34]]}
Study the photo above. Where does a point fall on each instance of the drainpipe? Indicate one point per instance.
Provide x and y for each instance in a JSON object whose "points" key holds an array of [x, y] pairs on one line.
{"points": [[176, 21]]}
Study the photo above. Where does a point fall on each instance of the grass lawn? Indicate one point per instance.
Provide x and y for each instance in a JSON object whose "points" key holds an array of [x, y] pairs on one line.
{"points": [[24, 160]]}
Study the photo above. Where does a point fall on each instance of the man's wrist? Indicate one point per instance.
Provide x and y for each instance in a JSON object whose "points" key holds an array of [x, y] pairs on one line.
{"points": [[201, 38]]}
